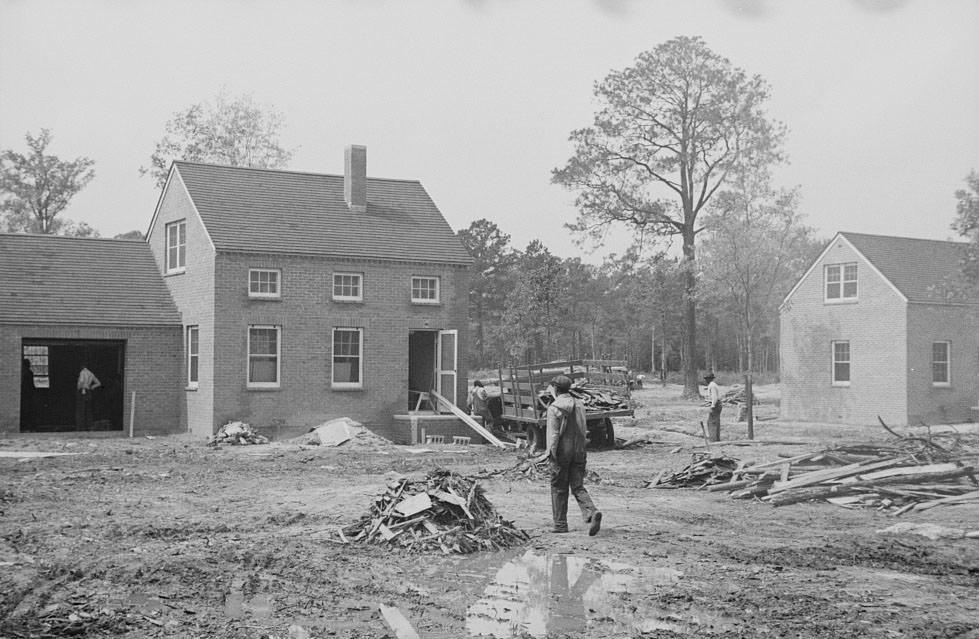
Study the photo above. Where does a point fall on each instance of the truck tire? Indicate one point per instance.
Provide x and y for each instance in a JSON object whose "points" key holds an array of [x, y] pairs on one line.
{"points": [[608, 438], [535, 437]]}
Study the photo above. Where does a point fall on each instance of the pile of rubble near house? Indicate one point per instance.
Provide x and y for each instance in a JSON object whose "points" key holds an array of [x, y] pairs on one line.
{"points": [[913, 473], [444, 512], [236, 433]]}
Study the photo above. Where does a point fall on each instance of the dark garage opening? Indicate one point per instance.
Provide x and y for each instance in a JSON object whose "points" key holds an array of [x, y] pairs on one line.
{"points": [[49, 403]]}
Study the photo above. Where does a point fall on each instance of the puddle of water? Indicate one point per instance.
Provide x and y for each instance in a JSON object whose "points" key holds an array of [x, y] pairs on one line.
{"points": [[236, 605], [540, 594]]}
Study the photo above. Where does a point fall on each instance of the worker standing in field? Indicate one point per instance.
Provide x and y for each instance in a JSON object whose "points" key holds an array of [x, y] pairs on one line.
{"points": [[566, 440], [714, 402]]}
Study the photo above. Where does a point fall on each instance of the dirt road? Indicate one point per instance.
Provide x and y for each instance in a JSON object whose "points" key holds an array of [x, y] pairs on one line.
{"points": [[167, 537]]}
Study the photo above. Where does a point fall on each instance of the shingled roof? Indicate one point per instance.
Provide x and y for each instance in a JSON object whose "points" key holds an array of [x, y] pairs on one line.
{"points": [[286, 212], [922, 270], [51, 279]]}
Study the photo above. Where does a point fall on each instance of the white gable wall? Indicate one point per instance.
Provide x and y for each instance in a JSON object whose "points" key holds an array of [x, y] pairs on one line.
{"points": [[876, 327]]}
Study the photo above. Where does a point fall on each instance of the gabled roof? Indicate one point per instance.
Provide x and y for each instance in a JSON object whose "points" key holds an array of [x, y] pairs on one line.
{"points": [[271, 211], [52, 279], [922, 271]]}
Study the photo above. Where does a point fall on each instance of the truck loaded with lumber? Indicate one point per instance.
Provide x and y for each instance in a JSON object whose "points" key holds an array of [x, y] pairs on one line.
{"points": [[601, 385]]}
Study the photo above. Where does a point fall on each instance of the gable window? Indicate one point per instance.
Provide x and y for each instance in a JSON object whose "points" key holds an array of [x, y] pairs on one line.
{"points": [[941, 355], [841, 363], [263, 356], [176, 246], [841, 282], [264, 282], [348, 287], [38, 357], [193, 356], [425, 290], [348, 361]]}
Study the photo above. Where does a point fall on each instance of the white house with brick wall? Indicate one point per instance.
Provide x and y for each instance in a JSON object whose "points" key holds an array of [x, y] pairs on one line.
{"points": [[873, 329], [306, 297], [66, 301]]}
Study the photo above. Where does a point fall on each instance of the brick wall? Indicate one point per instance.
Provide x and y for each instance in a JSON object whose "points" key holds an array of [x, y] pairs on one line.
{"points": [[876, 327], [152, 365], [194, 296], [942, 404], [307, 315]]}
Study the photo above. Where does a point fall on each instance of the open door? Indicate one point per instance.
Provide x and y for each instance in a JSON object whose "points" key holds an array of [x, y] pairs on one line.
{"points": [[447, 364]]}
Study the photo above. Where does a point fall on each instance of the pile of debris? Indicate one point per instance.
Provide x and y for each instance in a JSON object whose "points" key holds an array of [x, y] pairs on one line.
{"points": [[236, 433], [525, 468], [737, 395], [444, 512], [342, 432], [704, 470], [592, 397], [914, 473]]}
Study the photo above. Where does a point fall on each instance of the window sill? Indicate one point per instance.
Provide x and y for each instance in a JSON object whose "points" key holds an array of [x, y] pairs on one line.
{"points": [[849, 300], [182, 271], [191, 388], [840, 385], [341, 300], [346, 389], [944, 385], [426, 302], [263, 388], [265, 298]]}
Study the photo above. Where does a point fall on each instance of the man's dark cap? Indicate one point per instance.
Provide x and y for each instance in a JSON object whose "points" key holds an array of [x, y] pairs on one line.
{"points": [[561, 383]]}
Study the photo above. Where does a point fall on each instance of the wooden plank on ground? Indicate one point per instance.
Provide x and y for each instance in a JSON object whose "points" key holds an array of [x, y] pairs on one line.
{"points": [[398, 623], [837, 472]]}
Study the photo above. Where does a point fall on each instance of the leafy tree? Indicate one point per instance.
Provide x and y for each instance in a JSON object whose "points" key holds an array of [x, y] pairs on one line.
{"points": [[537, 304], [35, 188], [754, 251], [130, 235], [668, 132], [235, 132], [967, 224], [493, 260]]}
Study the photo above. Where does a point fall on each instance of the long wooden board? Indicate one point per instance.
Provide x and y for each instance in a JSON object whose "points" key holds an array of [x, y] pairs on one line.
{"points": [[469, 421]]}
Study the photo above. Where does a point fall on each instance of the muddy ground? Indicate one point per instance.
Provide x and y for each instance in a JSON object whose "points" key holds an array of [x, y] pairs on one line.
{"points": [[167, 537]]}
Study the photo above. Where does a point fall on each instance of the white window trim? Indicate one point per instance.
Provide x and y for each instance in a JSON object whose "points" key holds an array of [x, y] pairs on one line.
{"points": [[948, 364], [842, 283], [833, 362], [181, 248], [278, 283], [425, 300], [278, 357], [194, 328], [360, 361], [348, 298]]}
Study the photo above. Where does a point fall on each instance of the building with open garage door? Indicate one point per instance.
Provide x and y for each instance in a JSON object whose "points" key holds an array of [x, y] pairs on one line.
{"points": [[68, 303]]}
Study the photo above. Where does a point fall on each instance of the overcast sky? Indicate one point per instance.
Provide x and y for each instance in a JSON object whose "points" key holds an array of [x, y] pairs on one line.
{"points": [[476, 98]]}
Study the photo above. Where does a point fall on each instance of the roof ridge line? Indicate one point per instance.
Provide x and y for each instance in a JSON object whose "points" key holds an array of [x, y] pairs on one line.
{"points": [[288, 171]]}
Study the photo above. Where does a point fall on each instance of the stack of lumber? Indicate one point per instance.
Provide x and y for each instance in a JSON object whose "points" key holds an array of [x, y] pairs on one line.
{"points": [[237, 433], [705, 470], [736, 395], [596, 399], [911, 474], [444, 512]]}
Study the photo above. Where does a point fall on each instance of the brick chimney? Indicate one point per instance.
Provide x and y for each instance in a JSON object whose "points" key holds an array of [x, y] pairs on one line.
{"points": [[355, 177]]}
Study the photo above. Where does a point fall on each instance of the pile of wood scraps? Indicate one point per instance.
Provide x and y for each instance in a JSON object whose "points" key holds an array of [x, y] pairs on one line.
{"points": [[525, 468], [705, 470], [914, 473], [444, 512], [737, 395], [593, 398]]}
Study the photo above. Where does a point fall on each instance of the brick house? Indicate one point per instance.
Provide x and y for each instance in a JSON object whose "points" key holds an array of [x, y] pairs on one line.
{"points": [[307, 297], [65, 301], [872, 329]]}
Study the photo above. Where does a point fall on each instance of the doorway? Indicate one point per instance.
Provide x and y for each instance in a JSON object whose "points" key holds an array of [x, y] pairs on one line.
{"points": [[432, 364], [48, 392]]}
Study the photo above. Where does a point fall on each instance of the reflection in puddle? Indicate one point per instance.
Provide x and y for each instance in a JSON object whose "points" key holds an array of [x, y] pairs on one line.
{"points": [[537, 594]]}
